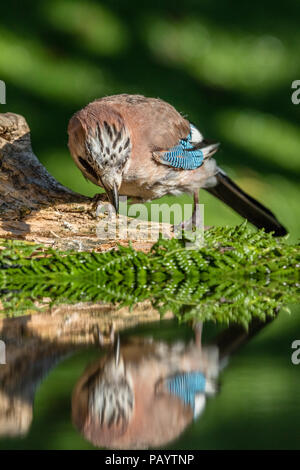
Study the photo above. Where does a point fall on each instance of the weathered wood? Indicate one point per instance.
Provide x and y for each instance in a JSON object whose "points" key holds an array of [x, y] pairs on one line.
{"points": [[36, 207], [35, 343]]}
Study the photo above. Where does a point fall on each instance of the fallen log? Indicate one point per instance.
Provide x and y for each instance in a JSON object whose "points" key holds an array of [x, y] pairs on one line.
{"points": [[37, 208]]}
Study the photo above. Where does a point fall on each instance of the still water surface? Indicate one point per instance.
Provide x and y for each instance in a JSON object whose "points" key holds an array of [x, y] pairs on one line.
{"points": [[224, 390]]}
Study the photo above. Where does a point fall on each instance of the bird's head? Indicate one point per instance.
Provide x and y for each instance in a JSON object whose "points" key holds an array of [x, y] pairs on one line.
{"points": [[100, 145], [103, 401]]}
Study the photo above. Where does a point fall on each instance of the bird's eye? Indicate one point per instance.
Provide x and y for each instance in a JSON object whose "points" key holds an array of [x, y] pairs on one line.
{"points": [[88, 167]]}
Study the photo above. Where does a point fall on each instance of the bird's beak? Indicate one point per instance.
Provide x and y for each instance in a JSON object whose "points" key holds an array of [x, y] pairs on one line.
{"points": [[117, 350], [113, 195]]}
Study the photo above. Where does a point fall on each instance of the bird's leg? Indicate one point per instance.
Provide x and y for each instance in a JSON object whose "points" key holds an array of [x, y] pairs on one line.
{"points": [[198, 328], [192, 221], [99, 337], [195, 222], [103, 339]]}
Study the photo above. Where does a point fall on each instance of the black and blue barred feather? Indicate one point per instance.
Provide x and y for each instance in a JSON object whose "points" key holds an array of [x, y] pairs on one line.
{"points": [[186, 386], [184, 155]]}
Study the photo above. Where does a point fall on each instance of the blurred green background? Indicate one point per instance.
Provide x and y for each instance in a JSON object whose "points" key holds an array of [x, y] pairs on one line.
{"points": [[228, 66]]}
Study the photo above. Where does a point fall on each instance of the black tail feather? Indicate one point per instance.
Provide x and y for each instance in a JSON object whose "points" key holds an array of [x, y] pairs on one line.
{"points": [[230, 193]]}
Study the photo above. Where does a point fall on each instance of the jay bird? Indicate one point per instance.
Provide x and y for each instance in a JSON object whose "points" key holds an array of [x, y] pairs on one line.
{"points": [[144, 149]]}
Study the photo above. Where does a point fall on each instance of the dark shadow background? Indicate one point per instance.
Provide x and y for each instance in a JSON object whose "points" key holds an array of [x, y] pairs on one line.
{"points": [[228, 66]]}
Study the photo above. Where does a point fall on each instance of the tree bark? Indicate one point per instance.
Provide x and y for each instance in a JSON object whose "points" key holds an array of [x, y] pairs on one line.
{"points": [[37, 208]]}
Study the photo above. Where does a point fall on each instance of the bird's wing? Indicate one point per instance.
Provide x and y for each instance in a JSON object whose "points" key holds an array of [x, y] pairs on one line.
{"points": [[153, 123], [159, 131], [188, 153]]}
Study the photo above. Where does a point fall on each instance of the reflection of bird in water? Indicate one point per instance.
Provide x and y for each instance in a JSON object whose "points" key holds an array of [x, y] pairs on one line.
{"points": [[145, 393], [111, 396]]}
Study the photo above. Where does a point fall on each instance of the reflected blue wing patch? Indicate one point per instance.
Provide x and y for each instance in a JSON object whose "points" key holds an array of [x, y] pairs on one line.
{"points": [[186, 385]]}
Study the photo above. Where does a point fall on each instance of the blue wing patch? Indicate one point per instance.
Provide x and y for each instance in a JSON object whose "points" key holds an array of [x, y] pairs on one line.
{"points": [[189, 153], [183, 156]]}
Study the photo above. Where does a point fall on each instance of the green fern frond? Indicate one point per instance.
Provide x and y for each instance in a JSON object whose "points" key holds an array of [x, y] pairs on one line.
{"points": [[238, 274]]}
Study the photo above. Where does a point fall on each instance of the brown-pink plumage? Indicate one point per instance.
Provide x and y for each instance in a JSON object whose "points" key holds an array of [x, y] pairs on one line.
{"points": [[144, 149]]}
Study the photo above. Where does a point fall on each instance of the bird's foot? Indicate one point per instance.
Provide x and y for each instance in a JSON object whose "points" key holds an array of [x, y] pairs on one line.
{"points": [[106, 337], [101, 207], [187, 225], [198, 327], [97, 199]]}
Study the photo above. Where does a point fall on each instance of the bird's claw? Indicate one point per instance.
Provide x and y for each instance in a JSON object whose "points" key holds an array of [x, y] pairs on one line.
{"points": [[101, 206], [107, 337], [99, 197], [184, 226]]}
